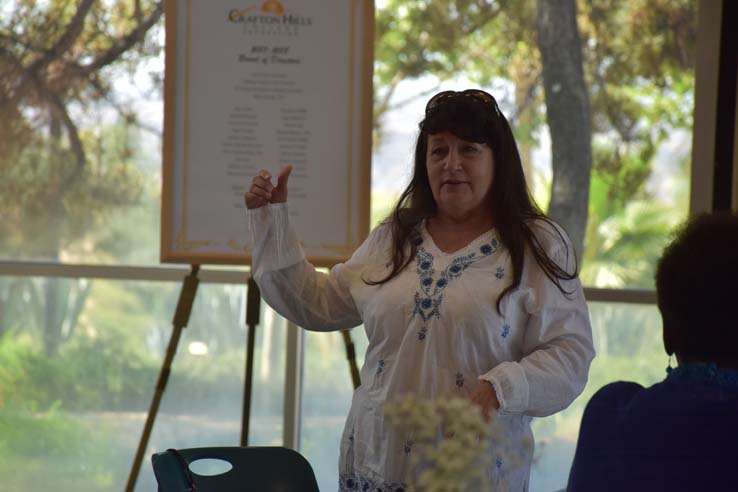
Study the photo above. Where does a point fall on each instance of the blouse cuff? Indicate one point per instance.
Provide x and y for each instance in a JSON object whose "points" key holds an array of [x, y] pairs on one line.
{"points": [[275, 242], [511, 386]]}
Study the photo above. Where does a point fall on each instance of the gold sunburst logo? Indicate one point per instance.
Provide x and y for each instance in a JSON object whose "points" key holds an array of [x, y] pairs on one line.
{"points": [[272, 7]]}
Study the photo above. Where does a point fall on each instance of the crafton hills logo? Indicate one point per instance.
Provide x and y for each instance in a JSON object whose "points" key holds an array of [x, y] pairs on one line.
{"points": [[269, 18]]}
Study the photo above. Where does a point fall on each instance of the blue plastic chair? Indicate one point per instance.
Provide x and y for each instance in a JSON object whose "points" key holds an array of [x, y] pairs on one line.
{"points": [[254, 469]]}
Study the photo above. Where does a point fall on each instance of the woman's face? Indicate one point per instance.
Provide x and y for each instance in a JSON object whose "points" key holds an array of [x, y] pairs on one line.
{"points": [[460, 175]]}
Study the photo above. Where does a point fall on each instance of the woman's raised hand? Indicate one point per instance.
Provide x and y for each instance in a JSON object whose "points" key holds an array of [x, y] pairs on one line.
{"points": [[262, 190]]}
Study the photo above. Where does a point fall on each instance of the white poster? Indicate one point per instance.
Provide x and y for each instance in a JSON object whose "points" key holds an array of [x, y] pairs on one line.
{"points": [[263, 85]]}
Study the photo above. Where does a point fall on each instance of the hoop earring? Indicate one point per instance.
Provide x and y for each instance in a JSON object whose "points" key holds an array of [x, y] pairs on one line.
{"points": [[670, 367]]}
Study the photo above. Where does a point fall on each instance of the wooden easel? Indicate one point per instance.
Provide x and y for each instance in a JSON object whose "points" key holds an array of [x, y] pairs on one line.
{"points": [[181, 318], [351, 356]]}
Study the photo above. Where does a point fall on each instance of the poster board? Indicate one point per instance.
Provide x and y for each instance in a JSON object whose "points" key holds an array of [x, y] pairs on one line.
{"points": [[252, 84]]}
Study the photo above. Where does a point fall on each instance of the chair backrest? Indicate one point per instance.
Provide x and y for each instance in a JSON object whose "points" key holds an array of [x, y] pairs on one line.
{"points": [[262, 469]]}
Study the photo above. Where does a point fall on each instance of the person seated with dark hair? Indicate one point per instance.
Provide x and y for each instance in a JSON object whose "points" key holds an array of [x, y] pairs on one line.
{"points": [[680, 434]]}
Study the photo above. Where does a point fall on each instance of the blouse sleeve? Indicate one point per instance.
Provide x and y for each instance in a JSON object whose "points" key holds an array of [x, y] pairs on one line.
{"points": [[557, 344], [291, 285]]}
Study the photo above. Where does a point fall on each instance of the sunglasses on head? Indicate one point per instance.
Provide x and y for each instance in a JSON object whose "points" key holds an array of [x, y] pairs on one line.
{"points": [[469, 94]]}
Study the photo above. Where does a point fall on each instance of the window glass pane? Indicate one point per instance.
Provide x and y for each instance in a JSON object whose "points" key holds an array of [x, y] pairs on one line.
{"points": [[627, 338], [80, 148], [204, 400], [79, 360], [326, 400]]}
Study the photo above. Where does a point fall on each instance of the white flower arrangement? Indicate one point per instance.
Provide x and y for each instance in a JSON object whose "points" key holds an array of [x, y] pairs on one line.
{"points": [[451, 442]]}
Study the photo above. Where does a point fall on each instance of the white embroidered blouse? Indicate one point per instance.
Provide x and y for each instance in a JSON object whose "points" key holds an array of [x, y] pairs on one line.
{"points": [[434, 330]]}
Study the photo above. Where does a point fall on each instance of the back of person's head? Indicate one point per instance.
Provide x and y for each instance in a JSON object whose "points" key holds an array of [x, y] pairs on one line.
{"points": [[697, 290]]}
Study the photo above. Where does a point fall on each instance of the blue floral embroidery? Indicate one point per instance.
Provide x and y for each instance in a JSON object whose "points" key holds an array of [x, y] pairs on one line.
{"points": [[427, 307], [353, 482], [430, 296], [348, 483], [505, 330], [380, 367], [408, 446], [500, 274], [422, 332], [498, 462], [459, 379]]}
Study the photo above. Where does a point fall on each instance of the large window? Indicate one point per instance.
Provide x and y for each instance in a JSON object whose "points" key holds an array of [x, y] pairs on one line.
{"points": [[85, 308], [78, 376]]}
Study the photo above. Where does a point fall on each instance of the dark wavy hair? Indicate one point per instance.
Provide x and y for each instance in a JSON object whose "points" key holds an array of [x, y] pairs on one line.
{"points": [[695, 289], [474, 116]]}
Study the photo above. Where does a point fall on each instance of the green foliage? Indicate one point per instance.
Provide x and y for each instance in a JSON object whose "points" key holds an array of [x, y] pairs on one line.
{"points": [[627, 231], [14, 362], [38, 178], [639, 58], [628, 245], [38, 450], [63, 165], [102, 376], [30, 308], [23, 432], [84, 376], [112, 359]]}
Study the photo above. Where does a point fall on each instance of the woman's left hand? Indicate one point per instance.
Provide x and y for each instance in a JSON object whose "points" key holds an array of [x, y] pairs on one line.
{"points": [[484, 395]]}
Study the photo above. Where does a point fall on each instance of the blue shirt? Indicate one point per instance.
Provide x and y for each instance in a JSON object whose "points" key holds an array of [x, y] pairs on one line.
{"points": [[678, 435]]}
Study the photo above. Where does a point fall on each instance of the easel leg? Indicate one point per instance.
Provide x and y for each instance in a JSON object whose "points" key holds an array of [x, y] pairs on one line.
{"points": [[181, 317], [253, 313], [351, 356]]}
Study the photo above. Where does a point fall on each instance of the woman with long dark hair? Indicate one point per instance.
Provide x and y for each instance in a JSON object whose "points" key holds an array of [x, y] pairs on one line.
{"points": [[467, 289]]}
